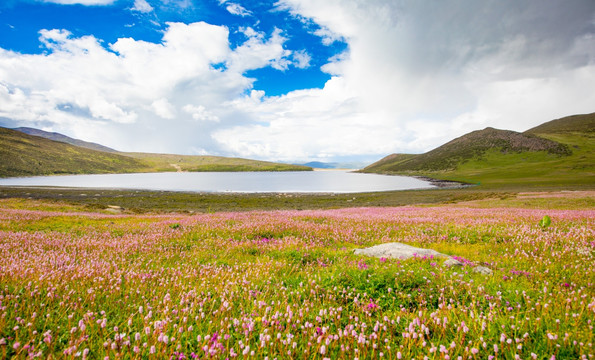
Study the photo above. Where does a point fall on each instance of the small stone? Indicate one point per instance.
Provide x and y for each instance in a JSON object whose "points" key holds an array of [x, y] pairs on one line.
{"points": [[452, 262], [482, 270]]}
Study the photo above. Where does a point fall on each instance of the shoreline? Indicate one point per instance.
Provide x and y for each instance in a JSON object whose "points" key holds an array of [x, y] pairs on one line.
{"points": [[445, 184]]}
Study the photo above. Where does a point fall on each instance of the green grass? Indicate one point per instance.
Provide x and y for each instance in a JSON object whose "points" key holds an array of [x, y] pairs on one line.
{"points": [[161, 201], [92, 286], [575, 123], [165, 202]]}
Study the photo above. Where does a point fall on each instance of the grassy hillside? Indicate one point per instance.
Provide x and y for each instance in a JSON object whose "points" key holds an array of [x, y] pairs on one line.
{"points": [[468, 147], [555, 153], [172, 162], [578, 124], [22, 154], [169, 162], [388, 163], [27, 155], [65, 139]]}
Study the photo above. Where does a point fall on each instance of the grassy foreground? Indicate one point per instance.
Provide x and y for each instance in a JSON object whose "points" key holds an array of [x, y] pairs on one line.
{"points": [[285, 284]]}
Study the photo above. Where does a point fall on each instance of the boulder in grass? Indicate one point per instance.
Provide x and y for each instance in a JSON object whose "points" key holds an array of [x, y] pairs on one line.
{"points": [[452, 262], [402, 251], [482, 270], [397, 251]]}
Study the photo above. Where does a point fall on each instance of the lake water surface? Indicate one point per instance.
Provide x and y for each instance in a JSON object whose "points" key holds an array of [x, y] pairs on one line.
{"points": [[335, 181]]}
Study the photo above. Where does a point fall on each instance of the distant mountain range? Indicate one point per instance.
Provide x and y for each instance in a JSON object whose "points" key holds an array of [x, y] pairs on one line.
{"points": [[335, 165], [556, 151], [65, 139]]}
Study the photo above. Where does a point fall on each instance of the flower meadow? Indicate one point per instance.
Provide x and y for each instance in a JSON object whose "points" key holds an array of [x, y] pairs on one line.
{"points": [[286, 285]]}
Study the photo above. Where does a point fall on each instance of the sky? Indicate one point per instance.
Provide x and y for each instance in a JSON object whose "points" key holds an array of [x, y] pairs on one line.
{"points": [[292, 80]]}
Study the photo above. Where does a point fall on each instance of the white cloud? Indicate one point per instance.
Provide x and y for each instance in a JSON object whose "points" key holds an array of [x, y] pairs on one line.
{"points": [[142, 6], [237, 9], [328, 37], [200, 113], [415, 74], [81, 2], [259, 52], [414, 77], [163, 108], [135, 94], [301, 59]]}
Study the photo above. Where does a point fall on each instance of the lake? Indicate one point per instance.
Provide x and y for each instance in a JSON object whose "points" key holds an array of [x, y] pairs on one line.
{"points": [[333, 181]]}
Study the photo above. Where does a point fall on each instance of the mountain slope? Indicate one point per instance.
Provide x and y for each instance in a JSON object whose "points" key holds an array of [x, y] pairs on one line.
{"points": [[555, 153], [65, 139], [388, 163], [581, 124], [27, 155], [473, 145]]}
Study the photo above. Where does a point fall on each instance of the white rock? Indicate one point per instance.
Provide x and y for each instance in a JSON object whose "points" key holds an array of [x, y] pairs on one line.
{"points": [[396, 251]]}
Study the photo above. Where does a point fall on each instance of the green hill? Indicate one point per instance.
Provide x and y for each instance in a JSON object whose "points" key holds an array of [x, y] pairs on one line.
{"points": [[557, 152], [22, 154], [27, 155], [467, 147]]}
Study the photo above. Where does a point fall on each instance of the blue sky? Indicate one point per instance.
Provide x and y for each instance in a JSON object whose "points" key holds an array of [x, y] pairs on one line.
{"points": [[22, 20], [292, 80]]}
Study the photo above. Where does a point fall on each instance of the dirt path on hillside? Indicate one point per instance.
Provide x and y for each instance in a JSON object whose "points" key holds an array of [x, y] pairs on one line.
{"points": [[177, 167]]}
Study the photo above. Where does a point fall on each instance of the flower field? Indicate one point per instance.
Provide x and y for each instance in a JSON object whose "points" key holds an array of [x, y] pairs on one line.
{"points": [[286, 285]]}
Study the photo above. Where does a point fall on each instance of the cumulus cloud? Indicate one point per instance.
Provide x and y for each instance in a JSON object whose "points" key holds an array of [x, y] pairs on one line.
{"points": [[134, 95], [258, 52]]}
